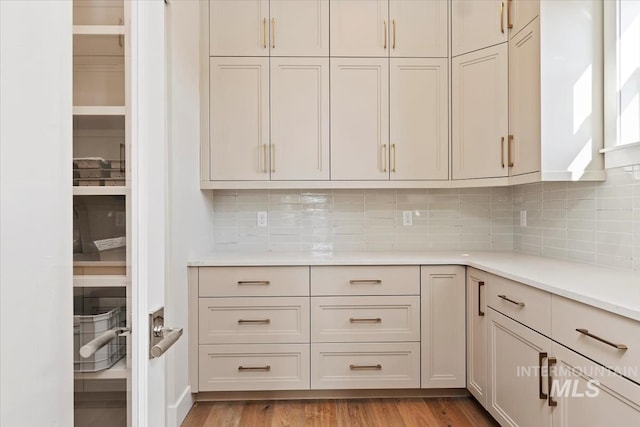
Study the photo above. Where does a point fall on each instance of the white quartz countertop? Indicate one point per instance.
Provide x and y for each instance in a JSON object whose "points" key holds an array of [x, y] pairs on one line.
{"points": [[617, 291]]}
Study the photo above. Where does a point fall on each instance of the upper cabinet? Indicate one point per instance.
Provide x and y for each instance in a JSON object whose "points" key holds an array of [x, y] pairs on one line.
{"points": [[477, 24], [418, 28], [239, 28], [299, 28], [520, 13], [360, 28]]}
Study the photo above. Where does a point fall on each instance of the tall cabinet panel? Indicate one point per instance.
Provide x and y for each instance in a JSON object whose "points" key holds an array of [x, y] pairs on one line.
{"points": [[520, 13], [239, 28], [239, 118], [477, 334], [524, 100], [477, 24], [480, 107], [418, 28], [299, 118], [299, 28], [359, 28], [359, 119], [419, 110]]}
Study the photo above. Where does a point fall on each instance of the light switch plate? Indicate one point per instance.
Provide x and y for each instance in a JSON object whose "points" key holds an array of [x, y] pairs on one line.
{"points": [[523, 218], [261, 219], [407, 217]]}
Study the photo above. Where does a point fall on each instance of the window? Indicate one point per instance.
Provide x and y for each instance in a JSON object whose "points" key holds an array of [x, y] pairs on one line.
{"points": [[622, 82]]}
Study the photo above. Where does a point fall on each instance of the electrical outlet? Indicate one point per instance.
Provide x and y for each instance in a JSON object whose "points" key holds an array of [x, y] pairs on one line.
{"points": [[523, 218], [261, 219], [407, 217]]}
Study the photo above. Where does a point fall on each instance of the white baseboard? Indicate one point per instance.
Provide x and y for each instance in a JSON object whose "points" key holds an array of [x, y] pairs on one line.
{"points": [[177, 412]]}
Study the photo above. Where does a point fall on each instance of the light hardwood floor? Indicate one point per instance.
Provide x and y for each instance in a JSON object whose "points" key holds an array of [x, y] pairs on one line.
{"points": [[427, 412]]}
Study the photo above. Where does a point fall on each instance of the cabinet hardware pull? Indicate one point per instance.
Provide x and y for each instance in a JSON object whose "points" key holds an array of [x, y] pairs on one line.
{"points": [[502, 150], [264, 158], [365, 281], [385, 35], [504, 297], [254, 368], [384, 161], [273, 33], [254, 282], [394, 33], [120, 36], [261, 321], [502, 17], [365, 320], [541, 357], [365, 367], [602, 340], [480, 312], [509, 151], [550, 364], [393, 147], [509, 23], [273, 158], [264, 33]]}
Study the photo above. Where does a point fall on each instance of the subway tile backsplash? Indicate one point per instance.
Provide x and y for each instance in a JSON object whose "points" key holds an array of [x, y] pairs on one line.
{"points": [[587, 222]]}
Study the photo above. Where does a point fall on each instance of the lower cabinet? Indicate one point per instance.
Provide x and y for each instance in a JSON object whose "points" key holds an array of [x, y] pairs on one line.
{"points": [[477, 334]]}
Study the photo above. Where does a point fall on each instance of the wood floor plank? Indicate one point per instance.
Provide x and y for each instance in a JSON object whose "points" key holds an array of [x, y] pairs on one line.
{"points": [[385, 413], [446, 413], [288, 414], [320, 413], [256, 414], [355, 413], [224, 414], [474, 412], [198, 414], [416, 413]]}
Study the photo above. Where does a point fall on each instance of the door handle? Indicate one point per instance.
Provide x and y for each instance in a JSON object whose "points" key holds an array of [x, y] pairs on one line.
{"points": [[161, 338], [480, 286]]}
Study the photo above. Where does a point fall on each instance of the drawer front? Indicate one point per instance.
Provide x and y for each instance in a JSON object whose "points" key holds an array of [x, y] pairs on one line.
{"points": [[359, 319], [253, 281], [253, 320], [596, 327], [365, 365], [527, 305], [365, 280], [253, 367]]}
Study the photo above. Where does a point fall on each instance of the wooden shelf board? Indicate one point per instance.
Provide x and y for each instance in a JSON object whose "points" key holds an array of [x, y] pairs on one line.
{"points": [[117, 371], [98, 29], [99, 110], [99, 191], [99, 281]]}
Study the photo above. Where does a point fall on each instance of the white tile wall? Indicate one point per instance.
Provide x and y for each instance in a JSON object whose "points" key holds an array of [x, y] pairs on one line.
{"points": [[587, 222], [350, 220]]}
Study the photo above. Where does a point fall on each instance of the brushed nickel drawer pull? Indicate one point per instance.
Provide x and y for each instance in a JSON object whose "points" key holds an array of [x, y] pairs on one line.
{"points": [[480, 286], [253, 282], [550, 364], [595, 337], [518, 303], [365, 320], [365, 367], [542, 394], [254, 368], [263, 321], [365, 282]]}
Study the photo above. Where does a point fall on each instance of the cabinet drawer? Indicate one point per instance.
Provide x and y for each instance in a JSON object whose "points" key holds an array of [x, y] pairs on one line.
{"points": [[253, 320], [365, 280], [527, 305], [568, 316], [365, 365], [358, 319], [253, 367], [253, 281]]}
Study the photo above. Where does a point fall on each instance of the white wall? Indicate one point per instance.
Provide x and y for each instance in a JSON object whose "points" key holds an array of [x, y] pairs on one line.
{"points": [[190, 210], [36, 299]]}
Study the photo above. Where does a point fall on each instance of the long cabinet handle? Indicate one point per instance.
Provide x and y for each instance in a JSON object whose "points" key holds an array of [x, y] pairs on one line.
{"points": [[365, 320], [541, 357], [264, 33], [551, 362], [385, 33], [265, 169], [502, 150], [502, 17], [602, 340], [260, 321], [365, 367], [480, 286], [509, 151], [518, 303], [393, 23], [254, 368], [273, 158], [365, 282], [393, 149], [509, 23], [253, 282], [384, 157], [273, 33]]}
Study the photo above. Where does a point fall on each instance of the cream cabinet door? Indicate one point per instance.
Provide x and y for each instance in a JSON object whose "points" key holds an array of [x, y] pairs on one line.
{"points": [[589, 395], [299, 28], [419, 113], [239, 118], [359, 119], [516, 382], [443, 327], [477, 334], [520, 13], [239, 28], [419, 28], [299, 118], [480, 113], [359, 28], [524, 100], [477, 24]]}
